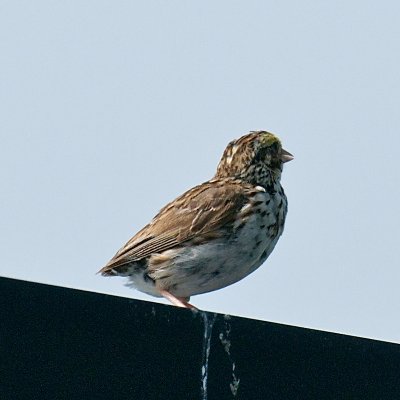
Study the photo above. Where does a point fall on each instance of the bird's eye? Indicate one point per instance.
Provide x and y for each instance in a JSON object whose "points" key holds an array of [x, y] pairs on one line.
{"points": [[274, 147], [261, 154]]}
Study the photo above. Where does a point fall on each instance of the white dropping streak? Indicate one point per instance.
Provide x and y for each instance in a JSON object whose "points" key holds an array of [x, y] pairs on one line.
{"points": [[225, 341], [208, 326]]}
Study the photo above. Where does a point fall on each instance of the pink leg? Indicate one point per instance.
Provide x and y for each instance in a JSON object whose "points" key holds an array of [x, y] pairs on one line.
{"points": [[177, 301]]}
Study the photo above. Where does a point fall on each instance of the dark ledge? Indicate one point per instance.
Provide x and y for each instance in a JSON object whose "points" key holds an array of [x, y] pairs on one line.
{"points": [[58, 343]]}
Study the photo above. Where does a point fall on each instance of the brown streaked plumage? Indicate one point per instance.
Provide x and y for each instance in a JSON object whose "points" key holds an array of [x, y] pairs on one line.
{"points": [[217, 232]]}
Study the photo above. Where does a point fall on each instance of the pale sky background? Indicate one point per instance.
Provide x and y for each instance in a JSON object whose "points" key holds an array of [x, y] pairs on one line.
{"points": [[110, 109]]}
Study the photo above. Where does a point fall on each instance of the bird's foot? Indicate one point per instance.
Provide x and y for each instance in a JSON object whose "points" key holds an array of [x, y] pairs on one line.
{"points": [[178, 301]]}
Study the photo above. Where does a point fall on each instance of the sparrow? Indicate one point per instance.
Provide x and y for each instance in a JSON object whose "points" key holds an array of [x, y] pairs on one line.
{"points": [[216, 233]]}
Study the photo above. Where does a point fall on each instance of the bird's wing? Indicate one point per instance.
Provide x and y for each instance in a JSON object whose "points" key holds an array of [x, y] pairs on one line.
{"points": [[198, 212]]}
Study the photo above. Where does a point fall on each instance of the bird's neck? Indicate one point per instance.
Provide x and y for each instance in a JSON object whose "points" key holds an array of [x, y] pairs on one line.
{"points": [[257, 175], [263, 176]]}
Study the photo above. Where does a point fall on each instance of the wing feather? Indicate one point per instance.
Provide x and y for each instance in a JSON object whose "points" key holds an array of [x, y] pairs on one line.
{"points": [[201, 210]]}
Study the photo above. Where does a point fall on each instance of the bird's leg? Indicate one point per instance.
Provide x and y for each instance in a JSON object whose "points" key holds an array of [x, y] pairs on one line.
{"points": [[177, 301]]}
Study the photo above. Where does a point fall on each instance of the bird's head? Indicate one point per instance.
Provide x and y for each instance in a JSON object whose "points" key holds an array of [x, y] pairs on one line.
{"points": [[257, 158]]}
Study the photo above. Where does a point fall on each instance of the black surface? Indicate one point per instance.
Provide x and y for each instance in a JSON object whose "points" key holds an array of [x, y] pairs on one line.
{"points": [[58, 343]]}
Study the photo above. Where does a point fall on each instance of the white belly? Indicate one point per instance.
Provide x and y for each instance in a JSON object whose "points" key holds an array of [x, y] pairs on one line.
{"points": [[195, 269]]}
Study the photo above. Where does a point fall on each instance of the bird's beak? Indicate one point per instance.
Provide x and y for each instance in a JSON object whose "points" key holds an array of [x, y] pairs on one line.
{"points": [[286, 156]]}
